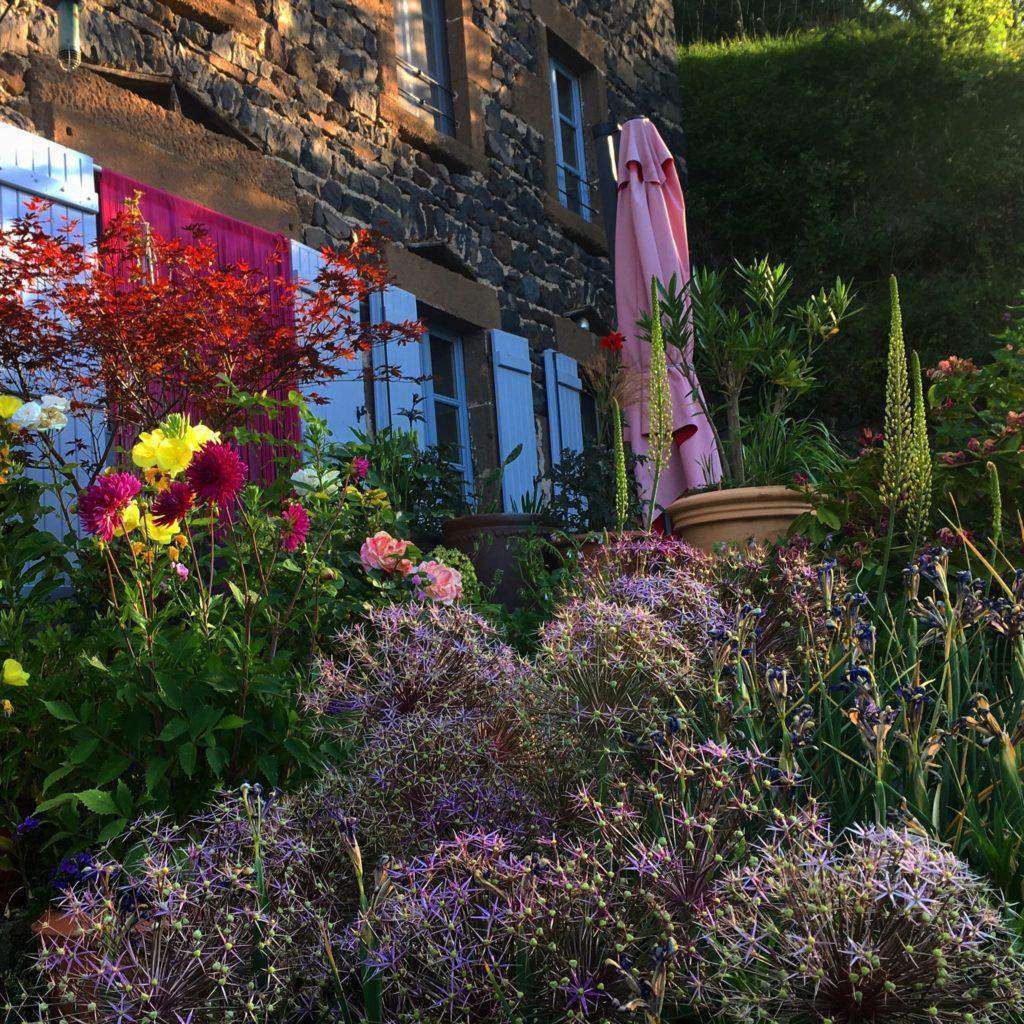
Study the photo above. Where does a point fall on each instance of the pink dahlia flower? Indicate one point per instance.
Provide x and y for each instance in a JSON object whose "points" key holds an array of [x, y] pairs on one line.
{"points": [[216, 474], [296, 527], [100, 507], [173, 504]]}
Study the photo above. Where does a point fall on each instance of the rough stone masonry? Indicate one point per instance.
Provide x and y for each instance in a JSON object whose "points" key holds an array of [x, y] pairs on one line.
{"points": [[283, 112]]}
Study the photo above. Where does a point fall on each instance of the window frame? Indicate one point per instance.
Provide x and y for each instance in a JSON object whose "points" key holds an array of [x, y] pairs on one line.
{"points": [[458, 402], [439, 75], [563, 169]]}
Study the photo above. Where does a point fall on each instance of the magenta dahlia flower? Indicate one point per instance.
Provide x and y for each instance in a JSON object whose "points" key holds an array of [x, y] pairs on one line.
{"points": [[216, 474], [101, 506], [296, 526], [173, 504]]}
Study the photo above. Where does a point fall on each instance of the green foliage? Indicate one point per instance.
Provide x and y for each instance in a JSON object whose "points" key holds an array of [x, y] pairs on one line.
{"points": [[864, 152], [920, 455], [897, 452], [984, 23], [419, 482], [659, 402], [622, 490], [755, 350], [708, 21], [587, 487]]}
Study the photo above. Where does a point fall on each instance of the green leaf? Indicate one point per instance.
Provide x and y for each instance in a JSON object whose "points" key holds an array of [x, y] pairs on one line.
{"points": [[187, 758], [56, 801], [97, 801], [230, 722], [173, 729], [83, 750], [113, 830], [60, 709]]}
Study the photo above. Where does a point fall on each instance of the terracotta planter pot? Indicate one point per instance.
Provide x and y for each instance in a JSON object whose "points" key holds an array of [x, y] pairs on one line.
{"points": [[489, 541], [735, 516]]}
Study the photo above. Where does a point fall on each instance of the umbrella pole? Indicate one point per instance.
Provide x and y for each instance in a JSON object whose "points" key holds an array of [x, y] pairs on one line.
{"points": [[606, 141]]}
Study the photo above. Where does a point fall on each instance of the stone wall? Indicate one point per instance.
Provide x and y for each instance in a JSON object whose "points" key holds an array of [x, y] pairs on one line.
{"points": [[281, 115]]}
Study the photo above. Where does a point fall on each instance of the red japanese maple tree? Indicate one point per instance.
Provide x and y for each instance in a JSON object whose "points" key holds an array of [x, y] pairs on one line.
{"points": [[141, 326]]}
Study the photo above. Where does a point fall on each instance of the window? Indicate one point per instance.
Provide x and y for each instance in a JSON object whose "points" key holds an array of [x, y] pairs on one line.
{"points": [[424, 75], [570, 158], [445, 410]]}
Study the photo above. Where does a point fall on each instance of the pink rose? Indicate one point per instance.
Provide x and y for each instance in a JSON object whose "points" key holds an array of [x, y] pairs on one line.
{"points": [[384, 552], [440, 582]]}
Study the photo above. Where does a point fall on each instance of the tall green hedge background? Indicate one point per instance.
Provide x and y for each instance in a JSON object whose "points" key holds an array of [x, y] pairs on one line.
{"points": [[862, 151]]}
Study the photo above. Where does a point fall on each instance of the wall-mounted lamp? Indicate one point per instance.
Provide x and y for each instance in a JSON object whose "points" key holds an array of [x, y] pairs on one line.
{"points": [[69, 33]]}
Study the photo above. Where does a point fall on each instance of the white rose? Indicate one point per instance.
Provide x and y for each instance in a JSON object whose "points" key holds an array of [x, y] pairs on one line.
{"points": [[28, 416], [52, 418], [55, 402], [308, 479]]}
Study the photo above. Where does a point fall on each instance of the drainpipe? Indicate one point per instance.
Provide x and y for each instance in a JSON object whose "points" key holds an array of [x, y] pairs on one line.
{"points": [[606, 142]]}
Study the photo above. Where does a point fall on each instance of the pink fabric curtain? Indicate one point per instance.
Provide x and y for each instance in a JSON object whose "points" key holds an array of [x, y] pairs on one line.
{"points": [[650, 242], [237, 242]]}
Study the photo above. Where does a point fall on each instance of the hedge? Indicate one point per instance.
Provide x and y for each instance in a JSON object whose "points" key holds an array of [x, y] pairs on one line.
{"points": [[861, 152]]}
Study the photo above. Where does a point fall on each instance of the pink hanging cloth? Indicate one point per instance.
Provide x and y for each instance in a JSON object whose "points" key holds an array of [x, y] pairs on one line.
{"points": [[650, 242], [170, 216]]}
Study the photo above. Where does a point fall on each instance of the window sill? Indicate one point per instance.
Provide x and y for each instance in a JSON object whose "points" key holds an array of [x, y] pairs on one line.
{"points": [[589, 234], [420, 132]]}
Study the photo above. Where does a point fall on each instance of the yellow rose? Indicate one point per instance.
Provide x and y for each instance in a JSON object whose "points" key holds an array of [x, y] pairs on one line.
{"points": [[9, 405], [130, 518], [14, 674], [156, 533], [144, 452], [199, 434], [173, 455]]}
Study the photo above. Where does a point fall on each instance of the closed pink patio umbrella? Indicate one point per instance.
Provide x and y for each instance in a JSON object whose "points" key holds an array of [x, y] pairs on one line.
{"points": [[650, 242]]}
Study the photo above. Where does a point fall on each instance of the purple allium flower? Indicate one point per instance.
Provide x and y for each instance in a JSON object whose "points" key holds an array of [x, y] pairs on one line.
{"points": [[881, 926], [224, 916]]}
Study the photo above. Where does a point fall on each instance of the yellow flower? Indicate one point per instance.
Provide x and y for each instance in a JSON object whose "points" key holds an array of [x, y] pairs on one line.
{"points": [[14, 674], [199, 434], [130, 518], [144, 452], [156, 533], [157, 478], [8, 708], [9, 405], [173, 455]]}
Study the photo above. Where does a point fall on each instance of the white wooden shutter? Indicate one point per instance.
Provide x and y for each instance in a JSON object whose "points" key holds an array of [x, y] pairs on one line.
{"points": [[513, 402], [32, 167], [345, 409], [565, 418], [398, 367]]}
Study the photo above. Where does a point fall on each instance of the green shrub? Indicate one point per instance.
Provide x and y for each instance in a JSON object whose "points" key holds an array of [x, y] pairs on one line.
{"points": [[864, 152]]}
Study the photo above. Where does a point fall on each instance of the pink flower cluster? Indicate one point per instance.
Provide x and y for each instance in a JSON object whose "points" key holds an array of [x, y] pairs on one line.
{"points": [[433, 580], [386, 553]]}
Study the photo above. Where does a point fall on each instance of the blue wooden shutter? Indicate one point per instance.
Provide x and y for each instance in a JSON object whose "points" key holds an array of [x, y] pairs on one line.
{"points": [[565, 418], [345, 410], [31, 167], [513, 402], [400, 391]]}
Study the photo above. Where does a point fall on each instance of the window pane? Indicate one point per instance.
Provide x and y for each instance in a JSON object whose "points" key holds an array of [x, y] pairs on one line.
{"points": [[424, 79], [563, 85], [448, 439], [568, 145], [442, 365]]}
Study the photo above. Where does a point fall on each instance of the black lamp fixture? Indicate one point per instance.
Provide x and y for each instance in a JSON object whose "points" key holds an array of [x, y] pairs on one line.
{"points": [[69, 33]]}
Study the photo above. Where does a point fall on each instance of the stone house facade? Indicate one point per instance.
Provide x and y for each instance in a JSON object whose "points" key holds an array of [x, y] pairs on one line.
{"points": [[461, 129]]}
